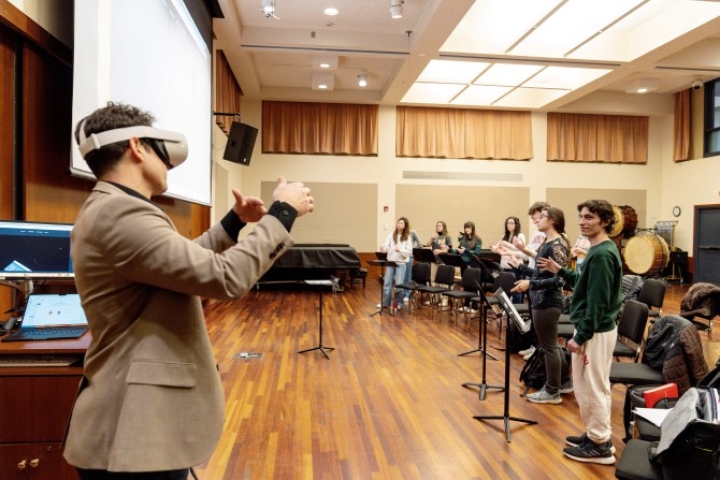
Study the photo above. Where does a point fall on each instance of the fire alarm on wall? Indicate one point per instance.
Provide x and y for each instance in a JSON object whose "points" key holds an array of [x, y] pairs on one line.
{"points": [[385, 209]]}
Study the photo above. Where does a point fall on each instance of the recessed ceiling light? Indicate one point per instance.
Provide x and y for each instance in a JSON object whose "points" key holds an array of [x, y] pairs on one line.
{"points": [[326, 62], [323, 81], [331, 12]]}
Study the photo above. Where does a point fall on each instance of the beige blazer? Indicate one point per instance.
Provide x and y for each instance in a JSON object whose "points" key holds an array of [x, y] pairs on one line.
{"points": [[153, 399]]}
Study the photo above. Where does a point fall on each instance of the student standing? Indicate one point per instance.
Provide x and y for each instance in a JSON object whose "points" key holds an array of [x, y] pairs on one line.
{"points": [[416, 243], [547, 300], [398, 247], [594, 311]]}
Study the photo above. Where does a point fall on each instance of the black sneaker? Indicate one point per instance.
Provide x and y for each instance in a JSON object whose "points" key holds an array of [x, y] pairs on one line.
{"points": [[591, 452], [575, 441]]}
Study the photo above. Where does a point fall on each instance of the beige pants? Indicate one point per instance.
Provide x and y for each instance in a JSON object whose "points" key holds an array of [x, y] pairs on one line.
{"points": [[591, 381]]}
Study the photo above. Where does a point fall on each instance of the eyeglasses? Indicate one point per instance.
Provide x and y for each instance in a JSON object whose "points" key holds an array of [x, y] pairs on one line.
{"points": [[542, 215]]}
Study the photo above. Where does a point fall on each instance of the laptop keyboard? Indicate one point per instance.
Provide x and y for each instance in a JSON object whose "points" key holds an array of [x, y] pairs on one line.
{"points": [[44, 334]]}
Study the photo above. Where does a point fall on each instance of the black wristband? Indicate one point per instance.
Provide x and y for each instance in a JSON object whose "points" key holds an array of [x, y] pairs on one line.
{"points": [[283, 212], [232, 224]]}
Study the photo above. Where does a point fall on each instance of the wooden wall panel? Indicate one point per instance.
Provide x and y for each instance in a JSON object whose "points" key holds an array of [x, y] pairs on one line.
{"points": [[51, 194], [7, 43]]}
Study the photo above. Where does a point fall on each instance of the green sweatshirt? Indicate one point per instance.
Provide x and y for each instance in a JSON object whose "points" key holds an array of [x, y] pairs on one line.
{"points": [[597, 291]]}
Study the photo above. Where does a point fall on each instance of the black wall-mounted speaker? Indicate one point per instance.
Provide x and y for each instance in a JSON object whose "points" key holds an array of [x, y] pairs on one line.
{"points": [[240, 144]]}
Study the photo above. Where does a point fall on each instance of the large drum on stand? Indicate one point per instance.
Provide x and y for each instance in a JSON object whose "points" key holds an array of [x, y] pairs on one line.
{"points": [[646, 254], [625, 221]]}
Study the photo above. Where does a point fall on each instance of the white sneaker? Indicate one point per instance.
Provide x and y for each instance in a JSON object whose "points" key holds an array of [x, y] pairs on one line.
{"points": [[527, 356], [526, 351]]}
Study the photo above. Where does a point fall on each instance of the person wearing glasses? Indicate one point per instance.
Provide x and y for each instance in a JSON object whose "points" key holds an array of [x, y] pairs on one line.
{"points": [[547, 301]]}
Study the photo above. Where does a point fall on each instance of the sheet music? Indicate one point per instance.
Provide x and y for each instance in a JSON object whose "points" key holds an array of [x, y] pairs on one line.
{"points": [[653, 415], [512, 311]]}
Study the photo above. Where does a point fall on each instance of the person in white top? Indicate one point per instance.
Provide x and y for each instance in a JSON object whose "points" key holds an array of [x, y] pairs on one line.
{"points": [[398, 246], [579, 250], [512, 231], [536, 239]]}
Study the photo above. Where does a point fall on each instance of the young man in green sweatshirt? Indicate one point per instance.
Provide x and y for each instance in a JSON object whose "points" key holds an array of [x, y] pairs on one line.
{"points": [[595, 308]]}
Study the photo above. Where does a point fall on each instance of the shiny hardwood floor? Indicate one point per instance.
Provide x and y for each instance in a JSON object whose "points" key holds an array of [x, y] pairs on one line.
{"points": [[388, 404]]}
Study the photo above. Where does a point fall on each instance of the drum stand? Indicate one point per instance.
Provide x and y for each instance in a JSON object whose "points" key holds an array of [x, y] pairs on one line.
{"points": [[673, 277]]}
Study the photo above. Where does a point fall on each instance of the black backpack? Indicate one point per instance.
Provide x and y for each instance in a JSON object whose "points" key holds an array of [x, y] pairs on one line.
{"points": [[533, 373]]}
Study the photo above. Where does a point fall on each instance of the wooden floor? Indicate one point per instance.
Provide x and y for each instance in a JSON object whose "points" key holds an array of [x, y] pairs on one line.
{"points": [[388, 404]]}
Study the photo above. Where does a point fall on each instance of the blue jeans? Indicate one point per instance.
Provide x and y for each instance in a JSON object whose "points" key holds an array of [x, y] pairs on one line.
{"points": [[393, 276], [408, 276]]}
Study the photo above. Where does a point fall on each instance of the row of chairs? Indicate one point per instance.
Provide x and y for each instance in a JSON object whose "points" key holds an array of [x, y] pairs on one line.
{"points": [[473, 278]]}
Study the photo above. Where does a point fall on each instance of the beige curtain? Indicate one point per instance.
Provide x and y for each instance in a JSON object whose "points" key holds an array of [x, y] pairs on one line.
{"points": [[681, 150], [458, 133], [319, 128], [597, 138], [227, 92]]}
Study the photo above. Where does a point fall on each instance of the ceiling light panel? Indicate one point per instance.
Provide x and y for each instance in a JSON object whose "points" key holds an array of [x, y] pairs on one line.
{"points": [[450, 71], [429, 93], [480, 95], [507, 74], [574, 23], [568, 78], [529, 98], [493, 26]]}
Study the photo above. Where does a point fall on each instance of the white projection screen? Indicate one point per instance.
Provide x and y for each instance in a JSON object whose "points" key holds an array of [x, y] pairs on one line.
{"points": [[150, 54]]}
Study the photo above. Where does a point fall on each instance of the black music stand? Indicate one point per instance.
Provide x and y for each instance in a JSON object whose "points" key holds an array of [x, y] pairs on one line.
{"points": [[424, 255], [321, 283], [511, 313], [482, 347], [452, 259], [384, 264]]}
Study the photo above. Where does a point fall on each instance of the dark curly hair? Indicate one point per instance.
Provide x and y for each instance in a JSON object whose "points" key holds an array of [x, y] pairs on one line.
{"points": [[110, 117], [601, 208]]}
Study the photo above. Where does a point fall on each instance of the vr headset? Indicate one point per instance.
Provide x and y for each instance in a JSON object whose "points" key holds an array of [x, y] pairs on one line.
{"points": [[171, 147]]}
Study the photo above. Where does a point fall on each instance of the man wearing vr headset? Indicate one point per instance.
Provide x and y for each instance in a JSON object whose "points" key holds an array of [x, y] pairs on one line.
{"points": [[151, 399]]}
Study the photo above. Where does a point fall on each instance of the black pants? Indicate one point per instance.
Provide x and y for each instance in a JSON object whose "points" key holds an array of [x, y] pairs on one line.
{"points": [[105, 475]]}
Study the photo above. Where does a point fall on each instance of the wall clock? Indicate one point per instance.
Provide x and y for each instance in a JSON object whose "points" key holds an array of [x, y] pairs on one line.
{"points": [[677, 211]]}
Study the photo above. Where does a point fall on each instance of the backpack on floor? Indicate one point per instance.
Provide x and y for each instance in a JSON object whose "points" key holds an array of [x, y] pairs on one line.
{"points": [[533, 373]]}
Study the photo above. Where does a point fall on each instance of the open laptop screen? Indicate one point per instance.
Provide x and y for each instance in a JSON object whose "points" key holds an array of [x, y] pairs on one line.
{"points": [[53, 310]]}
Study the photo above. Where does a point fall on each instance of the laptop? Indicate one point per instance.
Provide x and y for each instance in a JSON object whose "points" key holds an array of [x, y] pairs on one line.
{"points": [[50, 316]]}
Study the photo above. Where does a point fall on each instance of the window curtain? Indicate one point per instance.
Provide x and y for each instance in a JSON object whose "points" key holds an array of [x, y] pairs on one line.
{"points": [[597, 138], [319, 128], [681, 150], [459, 133], [227, 92]]}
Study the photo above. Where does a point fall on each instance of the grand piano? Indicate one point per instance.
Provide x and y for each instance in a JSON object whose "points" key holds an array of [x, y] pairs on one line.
{"points": [[313, 261]]}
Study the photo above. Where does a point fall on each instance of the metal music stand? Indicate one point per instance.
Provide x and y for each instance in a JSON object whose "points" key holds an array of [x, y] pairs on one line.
{"points": [[384, 264], [482, 347], [512, 314], [321, 283]]}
